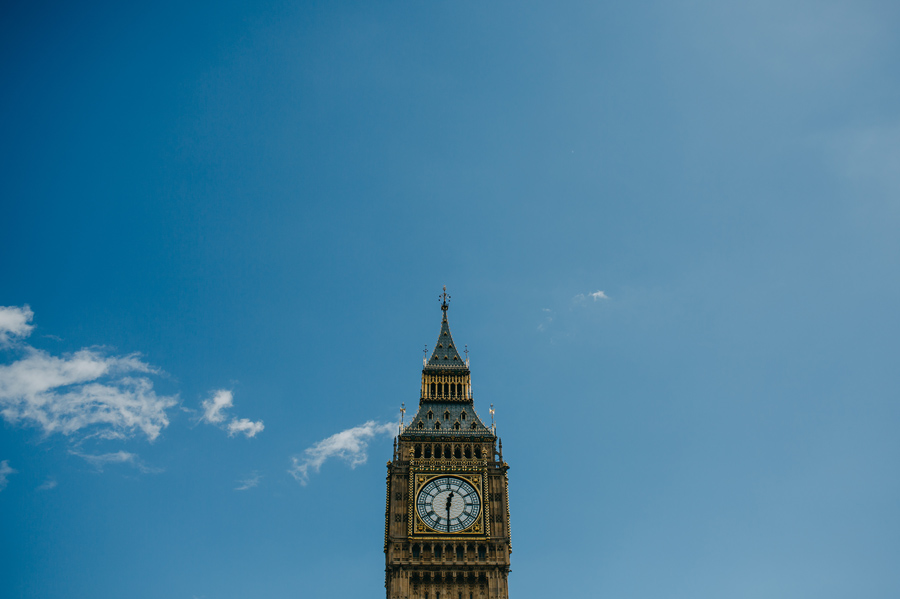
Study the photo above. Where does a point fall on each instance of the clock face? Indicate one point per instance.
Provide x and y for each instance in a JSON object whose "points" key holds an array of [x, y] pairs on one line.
{"points": [[448, 504]]}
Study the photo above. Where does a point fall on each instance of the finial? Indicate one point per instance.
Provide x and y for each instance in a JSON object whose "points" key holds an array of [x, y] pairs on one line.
{"points": [[493, 428], [467, 354], [425, 355], [402, 412], [445, 299]]}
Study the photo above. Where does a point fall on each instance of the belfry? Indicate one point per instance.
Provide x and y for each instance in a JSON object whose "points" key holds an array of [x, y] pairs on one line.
{"points": [[446, 531]]}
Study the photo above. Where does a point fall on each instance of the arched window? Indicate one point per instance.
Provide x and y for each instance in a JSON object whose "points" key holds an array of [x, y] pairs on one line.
{"points": [[430, 414], [468, 452], [446, 414], [473, 425], [457, 452], [438, 551], [456, 426], [418, 448], [437, 424], [416, 551], [432, 390], [437, 451], [462, 416], [428, 451], [460, 554], [421, 424], [482, 552], [478, 451], [447, 452], [446, 387]]}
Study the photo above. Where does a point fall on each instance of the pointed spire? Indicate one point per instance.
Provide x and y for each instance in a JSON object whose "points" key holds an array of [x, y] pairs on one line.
{"points": [[445, 354]]}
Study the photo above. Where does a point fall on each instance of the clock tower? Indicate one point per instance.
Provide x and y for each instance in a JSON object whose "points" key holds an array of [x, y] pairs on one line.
{"points": [[446, 531]]}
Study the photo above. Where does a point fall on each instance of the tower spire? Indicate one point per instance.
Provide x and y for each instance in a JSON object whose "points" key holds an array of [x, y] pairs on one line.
{"points": [[445, 354]]}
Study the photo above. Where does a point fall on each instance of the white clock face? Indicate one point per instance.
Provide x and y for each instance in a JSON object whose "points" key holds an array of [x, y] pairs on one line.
{"points": [[448, 504]]}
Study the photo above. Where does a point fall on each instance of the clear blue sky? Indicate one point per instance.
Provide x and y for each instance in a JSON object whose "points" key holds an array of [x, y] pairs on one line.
{"points": [[230, 221]]}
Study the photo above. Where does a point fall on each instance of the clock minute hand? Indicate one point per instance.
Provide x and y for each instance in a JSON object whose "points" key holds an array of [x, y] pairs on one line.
{"points": [[449, 501]]}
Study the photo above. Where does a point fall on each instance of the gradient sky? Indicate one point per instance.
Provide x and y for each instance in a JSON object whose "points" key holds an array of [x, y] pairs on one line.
{"points": [[224, 227]]}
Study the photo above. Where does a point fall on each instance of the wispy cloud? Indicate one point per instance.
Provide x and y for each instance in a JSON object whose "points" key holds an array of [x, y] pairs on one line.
{"points": [[249, 482], [48, 484], [87, 389], [349, 445], [15, 323], [246, 426], [214, 413], [595, 296], [110, 396], [215, 406], [118, 457], [5, 471]]}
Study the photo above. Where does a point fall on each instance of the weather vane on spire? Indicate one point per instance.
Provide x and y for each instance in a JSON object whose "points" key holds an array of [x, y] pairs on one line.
{"points": [[445, 299]]}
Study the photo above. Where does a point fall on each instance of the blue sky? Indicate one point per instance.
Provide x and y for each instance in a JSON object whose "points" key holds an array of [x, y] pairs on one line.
{"points": [[225, 226]]}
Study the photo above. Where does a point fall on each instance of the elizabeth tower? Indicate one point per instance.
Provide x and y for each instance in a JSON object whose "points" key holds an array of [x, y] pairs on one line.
{"points": [[446, 530]]}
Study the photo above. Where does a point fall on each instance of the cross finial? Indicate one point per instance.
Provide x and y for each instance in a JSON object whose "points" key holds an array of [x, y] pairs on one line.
{"points": [[445, 299]]}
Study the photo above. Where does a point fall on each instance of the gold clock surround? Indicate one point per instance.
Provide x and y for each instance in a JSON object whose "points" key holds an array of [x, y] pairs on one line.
{"points": [[420, 530]]}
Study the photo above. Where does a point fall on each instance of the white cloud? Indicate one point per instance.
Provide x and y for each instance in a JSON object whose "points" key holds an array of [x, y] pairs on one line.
{"points": [[349, 445], [249, 482], [595, 296], [214, 413], [83, 390], [5, 471], [14, 323], [48, 484], [218, 403], [246, 426], [118, 457]]}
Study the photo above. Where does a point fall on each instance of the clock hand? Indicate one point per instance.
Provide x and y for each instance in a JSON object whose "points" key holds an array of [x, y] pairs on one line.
{"points": [[449, 501]]}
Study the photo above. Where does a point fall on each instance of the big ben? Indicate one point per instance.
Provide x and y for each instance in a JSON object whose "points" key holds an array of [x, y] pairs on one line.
{"points": [[447, 514]]}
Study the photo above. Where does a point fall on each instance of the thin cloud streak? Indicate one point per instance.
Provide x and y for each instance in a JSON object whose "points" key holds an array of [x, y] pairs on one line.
{"points": [[349, 445], [249, 482], [119, 457], [47, 485], [595, 296]]}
